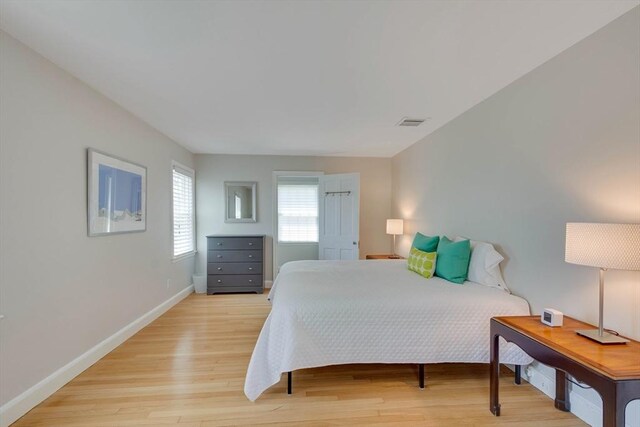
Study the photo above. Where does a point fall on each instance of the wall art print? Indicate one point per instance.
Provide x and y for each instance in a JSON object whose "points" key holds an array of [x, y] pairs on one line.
{"points": [[116, 195]]}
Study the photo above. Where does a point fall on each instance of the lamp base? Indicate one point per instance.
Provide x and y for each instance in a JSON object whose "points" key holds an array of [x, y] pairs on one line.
{"points": [[606, 337]]}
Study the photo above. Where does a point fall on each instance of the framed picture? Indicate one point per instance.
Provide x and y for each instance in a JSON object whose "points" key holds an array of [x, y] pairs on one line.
{"points": [[117, 191]]}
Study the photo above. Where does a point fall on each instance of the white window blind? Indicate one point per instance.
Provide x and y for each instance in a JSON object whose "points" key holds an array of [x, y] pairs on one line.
{"points": [[297, 213], [183, 218]]}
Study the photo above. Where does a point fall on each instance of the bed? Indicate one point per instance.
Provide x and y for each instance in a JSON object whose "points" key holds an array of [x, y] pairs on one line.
{"points": [[342, 312]]}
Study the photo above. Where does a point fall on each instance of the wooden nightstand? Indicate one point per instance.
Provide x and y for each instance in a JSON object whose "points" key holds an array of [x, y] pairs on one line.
{"points": [[384, 256], [612, 370]]}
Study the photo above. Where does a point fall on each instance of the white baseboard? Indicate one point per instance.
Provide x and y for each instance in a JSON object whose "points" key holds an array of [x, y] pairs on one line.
{"points": [[581, 407], [23, 403], [268, 284]]}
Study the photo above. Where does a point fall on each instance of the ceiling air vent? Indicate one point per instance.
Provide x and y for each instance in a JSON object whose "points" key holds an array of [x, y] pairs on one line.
{"points": [[410, 122]]}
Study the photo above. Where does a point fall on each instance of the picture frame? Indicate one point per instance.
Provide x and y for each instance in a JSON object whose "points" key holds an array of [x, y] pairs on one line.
{"points": [[116, 195]]}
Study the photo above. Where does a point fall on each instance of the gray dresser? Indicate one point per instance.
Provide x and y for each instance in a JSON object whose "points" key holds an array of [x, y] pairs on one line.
{"points": [[235, 264]]}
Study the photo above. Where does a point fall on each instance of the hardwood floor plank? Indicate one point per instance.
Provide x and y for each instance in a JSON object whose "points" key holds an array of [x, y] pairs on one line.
{"points": [[187, 369]]}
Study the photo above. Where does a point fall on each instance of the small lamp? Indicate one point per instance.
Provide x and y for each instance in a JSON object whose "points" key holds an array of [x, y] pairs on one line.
{"points": [[606, 246], [396, 228]]}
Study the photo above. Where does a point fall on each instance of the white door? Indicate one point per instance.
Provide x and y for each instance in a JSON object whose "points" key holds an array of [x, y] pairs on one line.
{"points": [[339, 216]]}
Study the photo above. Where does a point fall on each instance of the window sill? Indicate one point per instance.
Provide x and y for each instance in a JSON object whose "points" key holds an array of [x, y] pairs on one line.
{"points": [[297, 243], [184, 256]]}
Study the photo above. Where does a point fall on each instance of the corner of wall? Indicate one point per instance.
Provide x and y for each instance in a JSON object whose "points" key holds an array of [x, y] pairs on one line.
{"points": [[24, 402]]}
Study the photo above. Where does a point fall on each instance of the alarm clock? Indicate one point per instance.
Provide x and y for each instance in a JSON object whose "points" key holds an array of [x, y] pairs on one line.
{"points": [[551, 317]]}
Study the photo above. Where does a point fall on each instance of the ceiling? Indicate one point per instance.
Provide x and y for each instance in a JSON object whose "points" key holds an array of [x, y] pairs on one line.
{"points": [[301, 78]]}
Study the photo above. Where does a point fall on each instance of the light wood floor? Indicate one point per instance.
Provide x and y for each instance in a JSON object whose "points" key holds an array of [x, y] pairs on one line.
{"points": [[187, 369]]}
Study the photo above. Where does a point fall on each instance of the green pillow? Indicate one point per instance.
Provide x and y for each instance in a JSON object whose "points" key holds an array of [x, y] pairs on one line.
{"points": [[453, 260], [423, 263], [425, 243]]}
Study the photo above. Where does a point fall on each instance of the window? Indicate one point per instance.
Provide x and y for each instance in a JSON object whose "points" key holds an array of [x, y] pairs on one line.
{"points": [[297, 212], [183, 210], [238, 207]]}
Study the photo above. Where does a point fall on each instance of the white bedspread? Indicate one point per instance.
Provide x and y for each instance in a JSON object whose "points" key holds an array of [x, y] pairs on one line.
{"points": [[339, 312]]}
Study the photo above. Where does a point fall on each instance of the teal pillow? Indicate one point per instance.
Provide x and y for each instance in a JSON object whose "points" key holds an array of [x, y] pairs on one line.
{"points": [[452, 263], [425, 243]]}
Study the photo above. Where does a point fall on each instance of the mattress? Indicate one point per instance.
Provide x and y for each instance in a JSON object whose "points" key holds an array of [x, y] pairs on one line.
{"points": [[341, 312]]}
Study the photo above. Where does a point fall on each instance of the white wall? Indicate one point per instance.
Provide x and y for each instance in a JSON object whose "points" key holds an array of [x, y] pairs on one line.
{"points": [[213, 170], [296, 251], [62, 292], [560, 144]]}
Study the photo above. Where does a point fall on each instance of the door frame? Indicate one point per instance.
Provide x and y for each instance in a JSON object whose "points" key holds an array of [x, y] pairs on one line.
{"points": [[274, 210]]}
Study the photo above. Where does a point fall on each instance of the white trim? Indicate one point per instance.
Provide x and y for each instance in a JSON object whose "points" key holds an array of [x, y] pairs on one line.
{"points": [[268, 284], [581, 407], [274, 211], [297, 243], [27, 400], [185, 170], [184, 256]]}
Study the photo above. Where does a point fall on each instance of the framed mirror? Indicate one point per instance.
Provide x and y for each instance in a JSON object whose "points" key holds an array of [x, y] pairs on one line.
{"points": [[240, 201]]}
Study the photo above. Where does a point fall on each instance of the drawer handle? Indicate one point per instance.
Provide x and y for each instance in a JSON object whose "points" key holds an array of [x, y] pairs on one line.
{"points": [[250, 256], [250, 268], [219, 256], [219, 281], [219, 268], [250, 280], [219, 243], [250, 243]]}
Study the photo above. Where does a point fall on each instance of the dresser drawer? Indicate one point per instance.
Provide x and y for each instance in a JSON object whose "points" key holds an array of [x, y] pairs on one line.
{"points": [[234, 268], [234, 256], [216, 243], [230, 281]]}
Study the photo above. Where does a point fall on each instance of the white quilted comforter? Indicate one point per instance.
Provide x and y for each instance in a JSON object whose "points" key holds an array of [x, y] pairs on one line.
{"points": [[339, 312]]}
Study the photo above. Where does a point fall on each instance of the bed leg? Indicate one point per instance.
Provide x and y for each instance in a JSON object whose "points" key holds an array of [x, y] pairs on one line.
{"points": [[289, 382], [518, 374], [421, 375]]}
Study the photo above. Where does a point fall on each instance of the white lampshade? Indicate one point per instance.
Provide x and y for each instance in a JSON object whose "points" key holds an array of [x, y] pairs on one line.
{"points": [[395, 226], [615, 246]]}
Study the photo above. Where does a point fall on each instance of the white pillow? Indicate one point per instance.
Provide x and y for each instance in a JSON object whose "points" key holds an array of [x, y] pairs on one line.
{"points": [[484, 265]]}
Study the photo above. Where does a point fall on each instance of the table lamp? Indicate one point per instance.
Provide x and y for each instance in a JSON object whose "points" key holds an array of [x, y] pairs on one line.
{"points": [[394, 227], [606, 246]]}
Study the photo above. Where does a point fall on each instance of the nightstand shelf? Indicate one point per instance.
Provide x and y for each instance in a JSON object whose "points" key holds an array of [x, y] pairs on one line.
{"points": [[384, 256], [612, 370]]}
